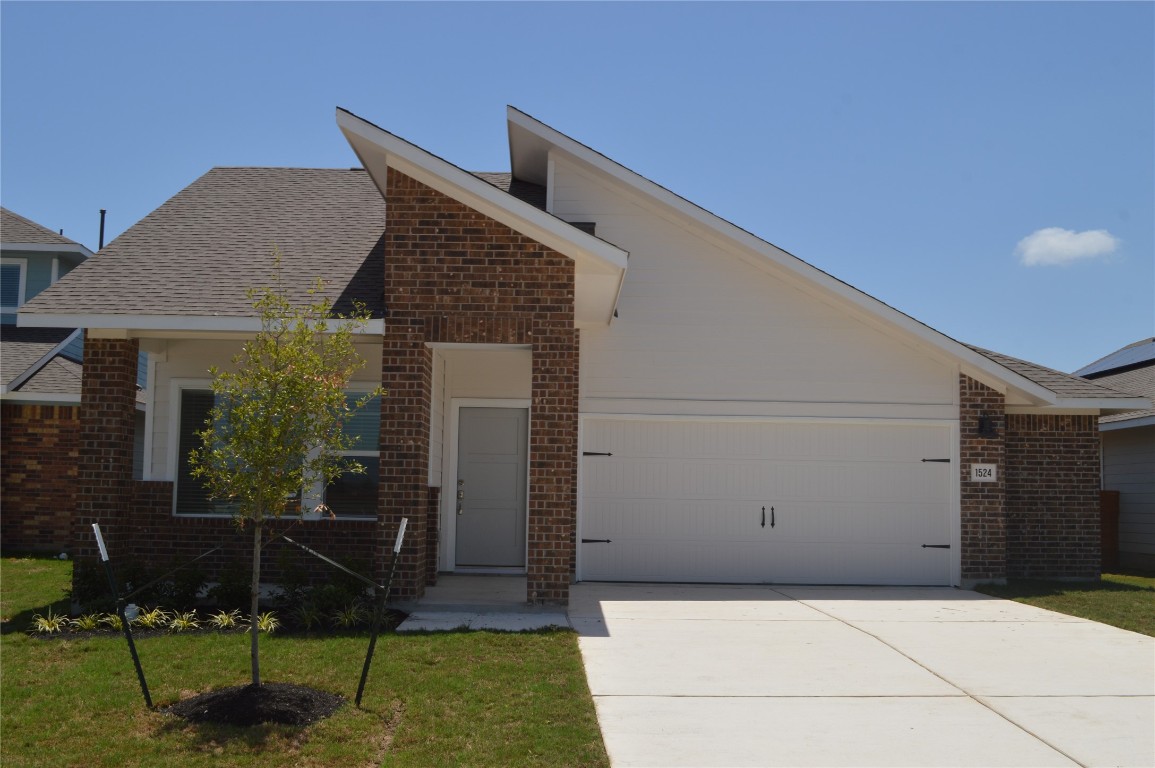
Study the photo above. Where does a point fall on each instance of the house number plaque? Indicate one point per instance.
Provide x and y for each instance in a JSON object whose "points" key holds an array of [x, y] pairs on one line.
{"points": [[984, 473]]}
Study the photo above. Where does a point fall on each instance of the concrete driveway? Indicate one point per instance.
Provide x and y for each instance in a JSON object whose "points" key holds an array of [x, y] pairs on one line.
{"points": [[858, 676]]}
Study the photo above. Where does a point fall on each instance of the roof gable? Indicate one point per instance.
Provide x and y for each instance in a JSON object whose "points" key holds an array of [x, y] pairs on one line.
{"points": [[599, 266], [532, 143]]}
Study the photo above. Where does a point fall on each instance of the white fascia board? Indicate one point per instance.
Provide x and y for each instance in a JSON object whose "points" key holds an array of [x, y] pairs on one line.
{"points": [[126, 326], [534, 135], [42, 397], [1138, 421], [1098, 406], [33, 369], [76, 248], [445, 177]]}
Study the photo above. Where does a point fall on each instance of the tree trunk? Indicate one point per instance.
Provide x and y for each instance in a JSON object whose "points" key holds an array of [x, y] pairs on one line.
{"points": [[254, 594]]}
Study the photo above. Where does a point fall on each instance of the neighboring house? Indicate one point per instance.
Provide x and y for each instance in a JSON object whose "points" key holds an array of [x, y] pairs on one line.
{"points": [[588, 378], [40, 376], [1129, 449]]}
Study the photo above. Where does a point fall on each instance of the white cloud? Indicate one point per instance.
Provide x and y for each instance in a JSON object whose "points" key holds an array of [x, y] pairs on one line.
{"points": [[1055, 245]]}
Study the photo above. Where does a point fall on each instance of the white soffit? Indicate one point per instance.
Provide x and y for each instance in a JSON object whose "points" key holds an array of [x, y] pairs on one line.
{"points": [[600, 266]]}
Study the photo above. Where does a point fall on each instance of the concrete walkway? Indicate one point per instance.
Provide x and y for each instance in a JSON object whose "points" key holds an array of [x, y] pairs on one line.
{"points": [[858, 676]]}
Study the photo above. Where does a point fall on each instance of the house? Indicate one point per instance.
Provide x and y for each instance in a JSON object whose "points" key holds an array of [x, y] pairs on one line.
{"points": [[589, 378], [1129, 449], [40, 373]]}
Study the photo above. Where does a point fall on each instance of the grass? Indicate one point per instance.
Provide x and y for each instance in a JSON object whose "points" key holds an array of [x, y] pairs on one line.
{"points": [[462, 698], [1125, 600]]}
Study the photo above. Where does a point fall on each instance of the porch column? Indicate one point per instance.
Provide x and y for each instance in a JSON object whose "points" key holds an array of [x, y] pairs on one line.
{"points": [[104, 464], [553, 446], [407, 374]]}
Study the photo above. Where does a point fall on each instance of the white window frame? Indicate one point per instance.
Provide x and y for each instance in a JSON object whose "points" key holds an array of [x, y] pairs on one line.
{"points": [[23, 289]]}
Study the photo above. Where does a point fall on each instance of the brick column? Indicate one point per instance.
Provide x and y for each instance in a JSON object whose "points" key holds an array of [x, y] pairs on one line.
{"points": [[407, 370], [553, 465], [107, 426], [982, 505]]}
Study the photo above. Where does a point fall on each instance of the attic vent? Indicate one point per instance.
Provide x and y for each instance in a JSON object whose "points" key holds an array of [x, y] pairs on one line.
{"points": [[585, 226]]}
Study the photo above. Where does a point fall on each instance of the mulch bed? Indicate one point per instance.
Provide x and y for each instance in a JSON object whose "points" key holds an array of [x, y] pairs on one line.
{"points": [[247, 705]]}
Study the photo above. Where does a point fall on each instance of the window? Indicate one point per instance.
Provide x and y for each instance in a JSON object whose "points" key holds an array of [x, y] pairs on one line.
{"points": [[191, 496], [355, 494], [12, 278], [351, 495]]}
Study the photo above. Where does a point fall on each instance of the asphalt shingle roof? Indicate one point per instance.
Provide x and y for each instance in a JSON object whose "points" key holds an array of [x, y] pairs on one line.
{"points": [[534, 194], [1138, 381], [14, 228], [21, 348], [59, 376], [1062, 384], [199, 252]]}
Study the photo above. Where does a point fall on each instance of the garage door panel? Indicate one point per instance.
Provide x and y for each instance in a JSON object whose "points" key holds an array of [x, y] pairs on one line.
{"points": [[851, 503]]}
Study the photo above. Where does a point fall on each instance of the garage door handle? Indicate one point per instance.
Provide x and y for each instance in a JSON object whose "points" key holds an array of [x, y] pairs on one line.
{"points": [[764, 517]]}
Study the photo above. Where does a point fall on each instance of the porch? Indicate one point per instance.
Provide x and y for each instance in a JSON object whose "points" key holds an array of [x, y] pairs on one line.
{"points": [[477, 601]]}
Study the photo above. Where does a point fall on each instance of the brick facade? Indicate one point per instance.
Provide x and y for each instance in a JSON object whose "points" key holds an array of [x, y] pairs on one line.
{"points": [[1041, 518], [454, 275], [1052, 496], [38, 454], [982, 505], [136, 517]]}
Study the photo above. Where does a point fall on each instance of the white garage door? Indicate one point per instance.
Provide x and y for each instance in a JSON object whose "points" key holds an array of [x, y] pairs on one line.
{"points": [[766, 502]]}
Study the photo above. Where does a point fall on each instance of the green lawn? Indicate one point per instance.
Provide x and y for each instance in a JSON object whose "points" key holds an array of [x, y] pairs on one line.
{"points": [[462, 698], [1121, 600]]}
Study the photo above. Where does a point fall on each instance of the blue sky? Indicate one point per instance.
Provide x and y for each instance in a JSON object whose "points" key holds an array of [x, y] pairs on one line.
{"points": [[988, 168]]}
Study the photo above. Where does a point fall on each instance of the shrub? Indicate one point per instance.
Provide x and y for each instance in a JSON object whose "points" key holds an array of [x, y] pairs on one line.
{"points": [[181, 622], [225, 619], [51, 624], [152, 619], [88, 622]]}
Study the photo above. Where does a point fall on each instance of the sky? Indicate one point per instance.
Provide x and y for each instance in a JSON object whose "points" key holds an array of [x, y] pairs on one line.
{"points": [[987, 168]]}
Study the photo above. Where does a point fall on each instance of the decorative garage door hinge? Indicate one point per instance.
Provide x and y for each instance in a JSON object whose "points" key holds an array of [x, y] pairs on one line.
{"points": [[937, 461], [936, 546], [595, 453], [596, 541]]}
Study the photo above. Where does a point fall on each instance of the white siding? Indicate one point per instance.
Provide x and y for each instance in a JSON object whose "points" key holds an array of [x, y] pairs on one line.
{"points": [[1129, 467], [698, 325], [489, 373]]}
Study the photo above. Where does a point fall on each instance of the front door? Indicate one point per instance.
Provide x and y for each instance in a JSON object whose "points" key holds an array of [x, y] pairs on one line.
{"points": [[491, 487]]}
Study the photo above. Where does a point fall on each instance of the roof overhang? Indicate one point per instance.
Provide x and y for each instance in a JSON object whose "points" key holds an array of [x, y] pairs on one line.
{"points": [[161, 326], [600, 267], [1147, 420], [75, 248]]}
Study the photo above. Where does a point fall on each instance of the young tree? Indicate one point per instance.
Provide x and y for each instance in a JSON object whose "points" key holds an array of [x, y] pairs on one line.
{"points": [[276, 424]]}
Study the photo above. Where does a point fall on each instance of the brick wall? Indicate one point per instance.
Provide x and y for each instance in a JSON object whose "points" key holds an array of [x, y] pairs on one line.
{"points": [[455, 275], [1052, 496], [982, 505], [163, 541], [107, 427], [38, 471]]}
